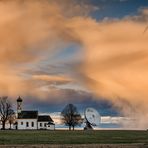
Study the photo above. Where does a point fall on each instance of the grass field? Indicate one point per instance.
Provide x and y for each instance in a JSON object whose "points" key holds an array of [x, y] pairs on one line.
{"points": [[73, 137]]}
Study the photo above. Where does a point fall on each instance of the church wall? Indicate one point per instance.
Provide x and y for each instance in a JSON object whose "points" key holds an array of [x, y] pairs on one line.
{"points": [[27, 123], [42, 125], [51, 127]]}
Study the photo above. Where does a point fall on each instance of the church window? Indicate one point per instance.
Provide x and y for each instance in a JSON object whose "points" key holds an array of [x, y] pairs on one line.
{"points": [[27, 124], [40, 124], [32, 124]]}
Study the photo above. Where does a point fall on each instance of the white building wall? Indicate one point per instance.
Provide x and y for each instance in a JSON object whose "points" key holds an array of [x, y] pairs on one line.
{"points": [[42, 125], [50, 127], [27, 123]]}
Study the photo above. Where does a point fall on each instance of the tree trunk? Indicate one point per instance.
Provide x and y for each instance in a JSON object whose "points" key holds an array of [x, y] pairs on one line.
{"points": [[3, 125], [69, 127], [73, 127]]}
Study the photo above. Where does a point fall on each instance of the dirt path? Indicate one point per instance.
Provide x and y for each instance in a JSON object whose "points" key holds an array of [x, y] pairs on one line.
{"points": [[78, 146]]}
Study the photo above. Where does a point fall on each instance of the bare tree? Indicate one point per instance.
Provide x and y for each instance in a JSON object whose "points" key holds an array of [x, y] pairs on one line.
{"points": [[5, 110], [71, 116], [12, 118]]}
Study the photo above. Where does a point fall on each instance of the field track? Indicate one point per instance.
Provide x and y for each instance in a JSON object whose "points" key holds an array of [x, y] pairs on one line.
{"points": [[78, 146]]}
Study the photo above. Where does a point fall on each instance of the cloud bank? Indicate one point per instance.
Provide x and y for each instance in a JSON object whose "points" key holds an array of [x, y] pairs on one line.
{"points": [[115, 51]]}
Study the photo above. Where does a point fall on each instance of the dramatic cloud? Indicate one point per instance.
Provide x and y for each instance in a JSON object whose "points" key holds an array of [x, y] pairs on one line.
{"points": [[116, 62], [52, 79], [30, 32], [114, 50], [116, 59]]}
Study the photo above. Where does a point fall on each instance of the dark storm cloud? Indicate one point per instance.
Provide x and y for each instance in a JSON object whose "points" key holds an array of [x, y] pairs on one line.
{"points": [[79, 98]]}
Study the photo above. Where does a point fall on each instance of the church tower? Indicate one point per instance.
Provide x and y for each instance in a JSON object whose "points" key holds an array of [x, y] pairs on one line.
{"points": [[19, 104]]}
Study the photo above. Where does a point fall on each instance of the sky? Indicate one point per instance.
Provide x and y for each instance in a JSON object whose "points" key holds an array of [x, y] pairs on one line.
{"points": [[92, 53]]}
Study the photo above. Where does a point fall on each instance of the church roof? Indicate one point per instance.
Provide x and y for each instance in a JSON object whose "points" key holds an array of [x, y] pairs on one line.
{"points": [[44, 118], [19, 99], [28, 115], [34, 115]]}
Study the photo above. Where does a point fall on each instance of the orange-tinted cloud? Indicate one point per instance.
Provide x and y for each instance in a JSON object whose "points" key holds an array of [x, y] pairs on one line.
{"points": [[30, 31], [116, 59], [115, 51], [53, 79]]}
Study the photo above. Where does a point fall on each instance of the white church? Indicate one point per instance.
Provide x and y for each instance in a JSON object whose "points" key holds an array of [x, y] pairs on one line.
{"points": [[31, 120]]}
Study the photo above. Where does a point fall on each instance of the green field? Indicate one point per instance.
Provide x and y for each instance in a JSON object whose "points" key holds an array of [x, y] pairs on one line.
{"points": [[73, 137]]}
